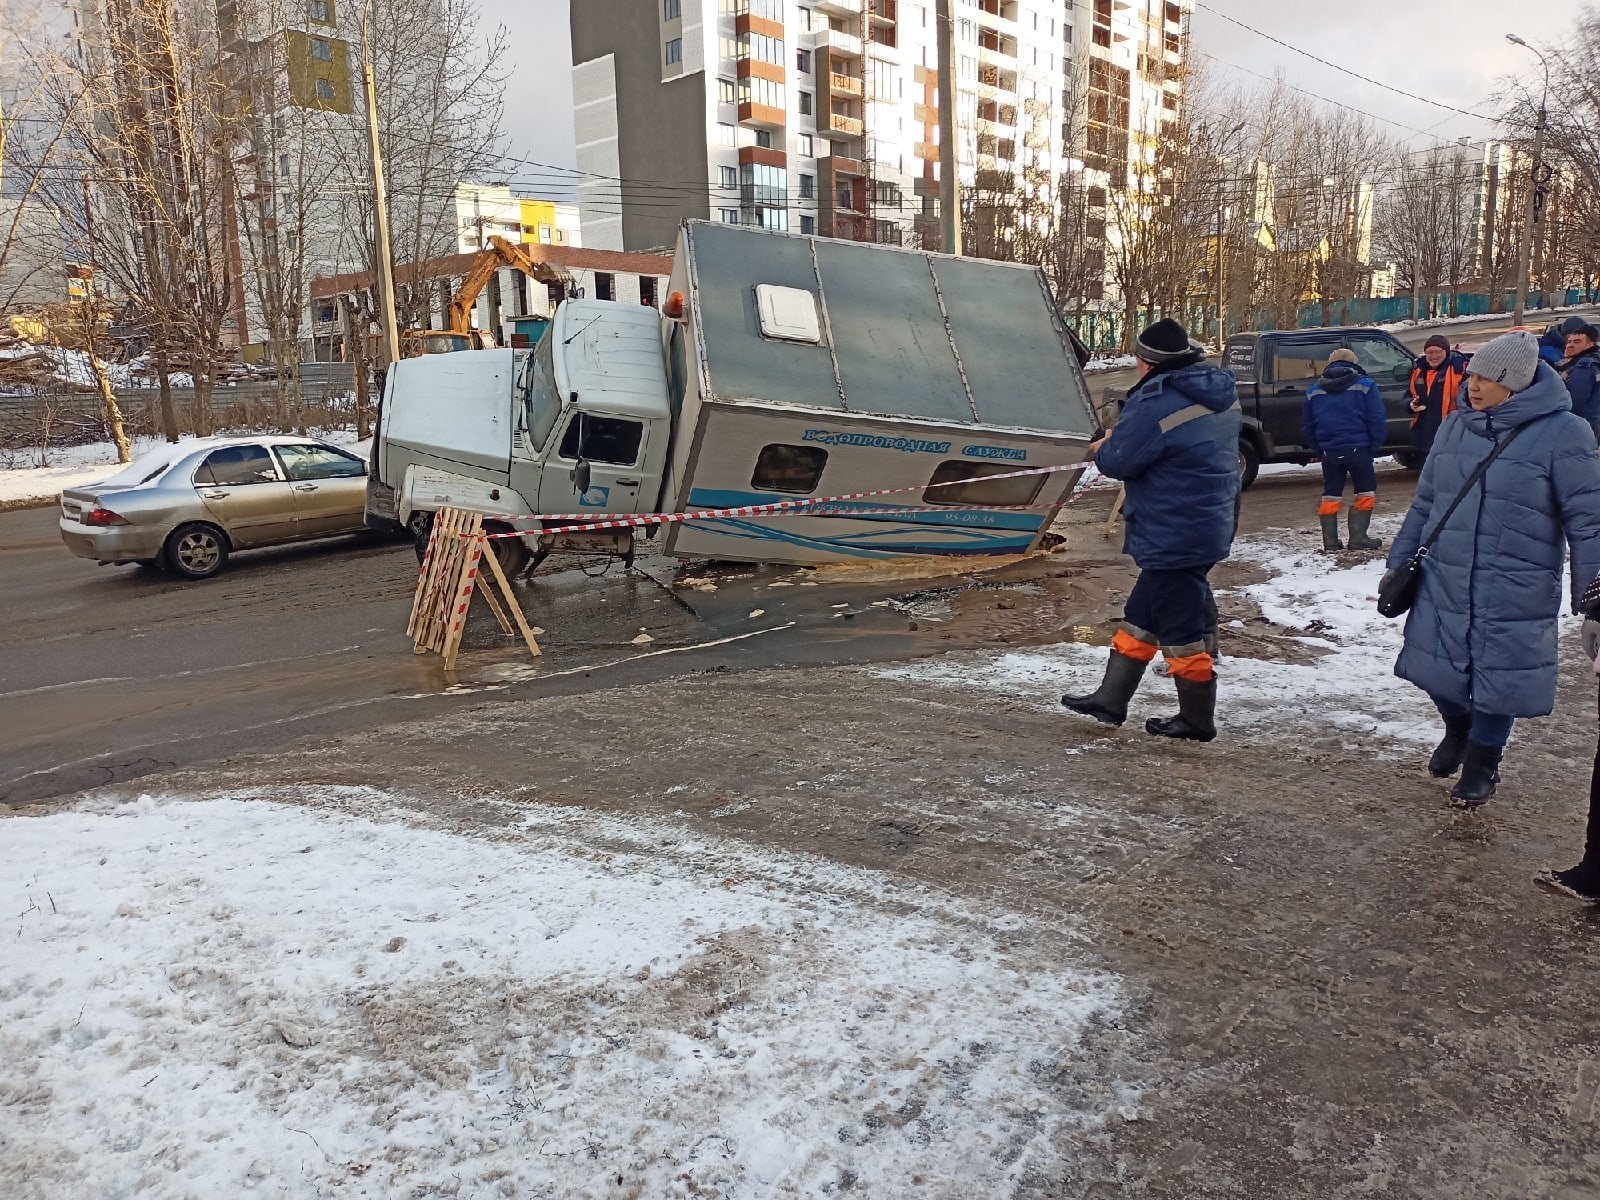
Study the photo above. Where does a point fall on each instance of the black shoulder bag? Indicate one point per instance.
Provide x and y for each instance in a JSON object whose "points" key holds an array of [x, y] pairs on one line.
{"points": [[1398, 591]]}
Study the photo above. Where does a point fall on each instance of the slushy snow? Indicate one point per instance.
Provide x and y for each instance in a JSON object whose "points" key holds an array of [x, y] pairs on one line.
{"points": [[237, 996]]}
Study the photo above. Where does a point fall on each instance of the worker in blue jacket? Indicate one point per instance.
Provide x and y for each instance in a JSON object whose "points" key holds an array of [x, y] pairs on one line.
{"points": [[1176, 450], [1580, 369], [1344, 421]]}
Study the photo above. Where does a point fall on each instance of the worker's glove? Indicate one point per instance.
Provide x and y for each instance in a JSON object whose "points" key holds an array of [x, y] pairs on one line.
{"points": [[1591, 639]]}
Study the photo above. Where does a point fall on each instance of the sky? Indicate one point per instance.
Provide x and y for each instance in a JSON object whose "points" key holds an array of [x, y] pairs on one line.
{"points": [[1452, 51]]}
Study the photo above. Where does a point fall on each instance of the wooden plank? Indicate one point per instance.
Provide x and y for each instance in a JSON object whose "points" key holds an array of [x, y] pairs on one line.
{"points": [[461, 601], [511, 603], [487, 593], [1116, 511]]}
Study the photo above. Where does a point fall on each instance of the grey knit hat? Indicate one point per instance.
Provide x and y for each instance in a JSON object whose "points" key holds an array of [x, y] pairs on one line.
{"points": [[1511, 360]]}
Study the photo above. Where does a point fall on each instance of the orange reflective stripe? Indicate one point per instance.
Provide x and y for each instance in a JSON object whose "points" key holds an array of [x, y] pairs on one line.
{"points": [[1196, 668], [1366, 503], [1328, 508], [1131, 647]]}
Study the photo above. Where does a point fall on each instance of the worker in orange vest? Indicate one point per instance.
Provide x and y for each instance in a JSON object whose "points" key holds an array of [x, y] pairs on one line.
{"points": [[1436, 380]]}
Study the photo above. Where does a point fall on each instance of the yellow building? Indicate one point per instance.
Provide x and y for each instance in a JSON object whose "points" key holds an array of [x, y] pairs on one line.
{"points": [[544, 222]]}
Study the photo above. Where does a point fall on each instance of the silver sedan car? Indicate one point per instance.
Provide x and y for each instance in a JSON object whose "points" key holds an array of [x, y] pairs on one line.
{"points": [[189, 505]]}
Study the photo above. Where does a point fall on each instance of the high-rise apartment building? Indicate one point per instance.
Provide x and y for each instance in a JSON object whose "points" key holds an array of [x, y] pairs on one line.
{"points": [[821, 116]]}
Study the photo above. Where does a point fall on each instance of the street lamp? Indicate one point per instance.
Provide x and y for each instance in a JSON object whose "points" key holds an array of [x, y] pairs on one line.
{"points": [[1525, 251]]}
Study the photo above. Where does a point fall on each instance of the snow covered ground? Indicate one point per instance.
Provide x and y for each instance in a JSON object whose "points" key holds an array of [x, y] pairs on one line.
{"points": [[1349, 692], [232, 995], [1535, 319], [74, 466]]}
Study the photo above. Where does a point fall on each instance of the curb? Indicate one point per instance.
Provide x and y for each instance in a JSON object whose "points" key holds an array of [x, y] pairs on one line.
{"points": [[24, 503]]}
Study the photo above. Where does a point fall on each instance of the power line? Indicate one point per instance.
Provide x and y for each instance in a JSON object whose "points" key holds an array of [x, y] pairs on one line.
{"points": [[1337, 66]]}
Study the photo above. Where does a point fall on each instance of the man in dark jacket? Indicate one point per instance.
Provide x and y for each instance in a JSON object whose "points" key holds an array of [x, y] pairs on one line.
{"points": [[1580, 370], [1176, 450], [1436, 380], [1344, 420]]}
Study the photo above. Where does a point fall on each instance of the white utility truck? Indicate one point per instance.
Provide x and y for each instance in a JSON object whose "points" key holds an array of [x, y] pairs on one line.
{"points": [[782, 367]]}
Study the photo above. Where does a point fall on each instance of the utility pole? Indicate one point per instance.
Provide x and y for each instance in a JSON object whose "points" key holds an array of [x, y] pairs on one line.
{"points": [[1525, 249], [380, 204], [949, 179]]}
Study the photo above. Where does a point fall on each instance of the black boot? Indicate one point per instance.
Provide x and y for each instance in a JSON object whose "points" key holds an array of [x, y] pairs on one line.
{"points": [[1330, 532], [1581, 882], [1360, 522], [1447, 755], [1197, 711], [1480, 772], [1108, 703]]}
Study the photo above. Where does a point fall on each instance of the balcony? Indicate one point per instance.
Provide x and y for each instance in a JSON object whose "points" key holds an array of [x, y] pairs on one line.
{"points": [[883, 12], [994, 15], [841, 45], [763, 116], [840, 127], [840, 165], [840, 8], [995, 84], [762, 156], [844, 85], [998, 52]]}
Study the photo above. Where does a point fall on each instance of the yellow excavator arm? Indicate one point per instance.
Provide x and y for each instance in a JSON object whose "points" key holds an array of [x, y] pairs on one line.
{"points": [[458, 333]]}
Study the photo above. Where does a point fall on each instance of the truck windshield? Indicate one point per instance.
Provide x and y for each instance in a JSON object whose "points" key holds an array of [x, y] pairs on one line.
{"points": [[541, 403]]}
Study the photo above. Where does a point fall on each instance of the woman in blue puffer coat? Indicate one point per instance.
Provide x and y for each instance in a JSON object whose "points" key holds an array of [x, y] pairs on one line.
{"points": [[1481, 637]]}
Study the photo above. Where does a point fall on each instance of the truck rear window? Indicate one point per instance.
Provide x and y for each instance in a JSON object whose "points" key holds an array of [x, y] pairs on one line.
{"points": [[944, 489]]}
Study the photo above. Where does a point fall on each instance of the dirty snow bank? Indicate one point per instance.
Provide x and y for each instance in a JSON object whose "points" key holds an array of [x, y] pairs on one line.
{"points": [[236, 996], [1350, 693]]}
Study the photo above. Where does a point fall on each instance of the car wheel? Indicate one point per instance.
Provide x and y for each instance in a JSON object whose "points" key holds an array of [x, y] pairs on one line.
{"points": [[1249, 464], [196, 551], [1408, 459]]}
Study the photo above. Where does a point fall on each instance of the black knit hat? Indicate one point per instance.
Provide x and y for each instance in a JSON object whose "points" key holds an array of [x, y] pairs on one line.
{"points": [[1165, 341], [1438, 340]]}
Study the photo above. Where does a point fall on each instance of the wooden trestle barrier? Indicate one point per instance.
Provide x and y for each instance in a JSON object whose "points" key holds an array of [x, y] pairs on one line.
{"points": [[450, 574]]}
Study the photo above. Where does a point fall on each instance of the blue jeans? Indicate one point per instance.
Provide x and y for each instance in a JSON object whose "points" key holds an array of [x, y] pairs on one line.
{"points": [[1353, 465], [1488, 729]]}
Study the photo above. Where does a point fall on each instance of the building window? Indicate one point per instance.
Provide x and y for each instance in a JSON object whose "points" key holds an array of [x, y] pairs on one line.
{"points": [[728, 216], [604, 288], [805, 19], [764, 138], [283, 166], [808, 187], [726, 135], [730, 179], [793, 469], [544, 234], [647, 290], [322, 49], [808, 225], [805, 104], [727, 93], [762, 48], [807, 146], [322, 12], [674, 51], [761, 91], [324, 89], [1000, 493], [672, 10], [802, 60]]}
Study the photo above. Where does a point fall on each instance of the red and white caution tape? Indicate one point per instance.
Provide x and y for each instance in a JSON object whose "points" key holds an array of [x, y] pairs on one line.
{"points": [[810, 506]]}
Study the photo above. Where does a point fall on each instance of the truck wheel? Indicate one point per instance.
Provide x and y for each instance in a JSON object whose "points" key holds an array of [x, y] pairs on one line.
{"points": [[1249, 464], [511, 553], [420, 527]]}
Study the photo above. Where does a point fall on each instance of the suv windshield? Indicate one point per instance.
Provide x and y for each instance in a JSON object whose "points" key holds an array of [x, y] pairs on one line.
{"points": [[541, 403]]}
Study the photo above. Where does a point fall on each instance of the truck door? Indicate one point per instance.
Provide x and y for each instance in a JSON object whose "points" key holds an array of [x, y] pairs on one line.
{"points": [[1296, 362], [614, 447], [1389, 364]]}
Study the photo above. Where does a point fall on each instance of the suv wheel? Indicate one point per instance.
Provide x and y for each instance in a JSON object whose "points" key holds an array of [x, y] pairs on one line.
{"points": [[1249, 464]]}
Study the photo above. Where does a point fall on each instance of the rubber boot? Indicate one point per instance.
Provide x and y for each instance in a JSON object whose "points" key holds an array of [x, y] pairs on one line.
{"points": [[1360, 522], [1480, 772], [1108, 703], [1197, 711], [1330, 532], [1452, 748]]}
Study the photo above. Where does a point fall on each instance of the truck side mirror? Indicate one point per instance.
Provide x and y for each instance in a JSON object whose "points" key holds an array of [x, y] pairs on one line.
{"points": [[582, 476]]}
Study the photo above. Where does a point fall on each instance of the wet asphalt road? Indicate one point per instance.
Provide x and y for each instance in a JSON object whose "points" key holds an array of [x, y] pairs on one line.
{"points": [[108, 673]]}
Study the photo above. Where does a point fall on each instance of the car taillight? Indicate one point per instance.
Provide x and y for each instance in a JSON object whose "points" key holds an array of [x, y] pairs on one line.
{"points": [[102, 516]]}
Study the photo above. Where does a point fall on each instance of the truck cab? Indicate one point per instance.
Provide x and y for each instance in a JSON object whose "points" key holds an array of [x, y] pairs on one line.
{"points": [[1275, 368], [580, 424]]}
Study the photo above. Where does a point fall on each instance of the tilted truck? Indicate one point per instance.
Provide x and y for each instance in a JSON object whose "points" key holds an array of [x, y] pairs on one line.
{"points": [[782, 367]]}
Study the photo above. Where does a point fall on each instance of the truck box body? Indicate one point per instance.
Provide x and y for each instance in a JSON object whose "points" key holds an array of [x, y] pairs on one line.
{"points": [[812, 367]]}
